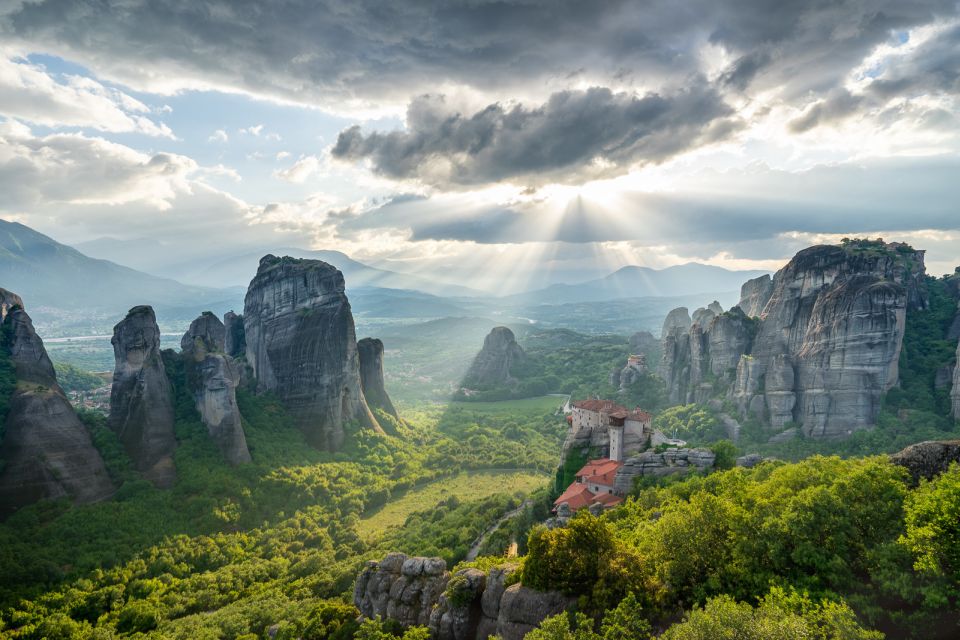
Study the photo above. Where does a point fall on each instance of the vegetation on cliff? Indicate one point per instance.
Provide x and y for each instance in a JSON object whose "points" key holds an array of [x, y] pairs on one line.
{"points": [[834, 533]]}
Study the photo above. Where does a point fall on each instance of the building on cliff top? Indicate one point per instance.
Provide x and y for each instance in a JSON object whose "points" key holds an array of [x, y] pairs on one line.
{"points": [[594, 485], [626, 429]]}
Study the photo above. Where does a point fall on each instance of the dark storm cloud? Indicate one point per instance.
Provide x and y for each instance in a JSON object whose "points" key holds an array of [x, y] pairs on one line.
{"points": [[575, 135], [329, 50]]}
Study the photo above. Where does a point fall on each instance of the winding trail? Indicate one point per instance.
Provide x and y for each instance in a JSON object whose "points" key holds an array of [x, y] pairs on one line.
{"points": [[475, 548]]}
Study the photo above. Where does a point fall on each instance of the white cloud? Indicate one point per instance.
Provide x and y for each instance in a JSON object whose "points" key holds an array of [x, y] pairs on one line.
{"points": [[302, 169], [72, 168], [218, 136], [255, 130], [28, 92]]}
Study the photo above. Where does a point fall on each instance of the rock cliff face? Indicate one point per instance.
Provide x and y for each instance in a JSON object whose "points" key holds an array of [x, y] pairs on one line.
{"points": [[468, 605], [371, 375], [678, 319], [955, 389], [302, 346], [46, 452], [235, 339], [825, 348], [141, 406], [499, 355], [754, 295], [658, 465], [213, 377], [696, 360]]}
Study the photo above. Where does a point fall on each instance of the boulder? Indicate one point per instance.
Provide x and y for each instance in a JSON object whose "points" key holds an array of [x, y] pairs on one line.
{"points": [[928, 459], [522, 610], [141, 406], [301, 346]]}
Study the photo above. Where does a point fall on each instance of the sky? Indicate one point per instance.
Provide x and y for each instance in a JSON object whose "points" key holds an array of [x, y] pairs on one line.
{"points": [[502, 145]]}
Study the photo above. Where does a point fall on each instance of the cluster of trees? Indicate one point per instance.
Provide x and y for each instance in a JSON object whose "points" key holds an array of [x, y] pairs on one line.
{"points": [[235, 552], [834, 536]]}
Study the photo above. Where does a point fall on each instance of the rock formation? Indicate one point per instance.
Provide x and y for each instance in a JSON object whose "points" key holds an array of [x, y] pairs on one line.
{"points": [[826, 345], [141, 405], [492, 366], [754, 295], [302, 346], [928, 459], [643, 342], [212, 377], [658, 465], [371, 375], [45, 452], [635, 368], [955, 389], [468, 605], [694, 359], [678, 319], [235, 339]]}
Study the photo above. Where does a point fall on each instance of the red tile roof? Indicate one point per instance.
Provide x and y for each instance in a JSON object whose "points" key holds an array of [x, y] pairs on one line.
{"points": [[640, 415], [602, 471], [593, 404], [608, 499], [577, 496]]}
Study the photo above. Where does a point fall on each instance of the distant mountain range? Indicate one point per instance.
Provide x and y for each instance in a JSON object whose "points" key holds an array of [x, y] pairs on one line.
{"points": [[70, 293], [62, 286], [642, 282], [236, 270]]}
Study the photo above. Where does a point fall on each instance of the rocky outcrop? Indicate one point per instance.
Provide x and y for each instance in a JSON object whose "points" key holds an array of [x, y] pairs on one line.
{"points": [[928, 459], [302, 346], [635, 369], [754, 295], [212, 377], [401, 588], [657, 465], [235, 339], [371, 375], [702, 361], [643, 342], [678, 319], [825, 347], [492, 366], [467, 605], [141, 406], [45, 452]]}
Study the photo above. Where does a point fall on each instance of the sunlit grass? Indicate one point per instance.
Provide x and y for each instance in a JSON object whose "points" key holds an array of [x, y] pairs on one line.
{"points": [[465, 487]]}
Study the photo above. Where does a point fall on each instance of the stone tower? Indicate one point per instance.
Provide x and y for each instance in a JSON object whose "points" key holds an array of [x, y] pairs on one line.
{"points": [[616, 442]]}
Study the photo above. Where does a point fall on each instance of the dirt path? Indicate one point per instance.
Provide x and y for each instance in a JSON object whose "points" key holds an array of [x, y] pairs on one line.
{"points": [[475, 549]]}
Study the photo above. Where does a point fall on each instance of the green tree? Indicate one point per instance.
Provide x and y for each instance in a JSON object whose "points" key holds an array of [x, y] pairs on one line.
{"points": [[726, 455], [568, 559], [933, 529]]}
